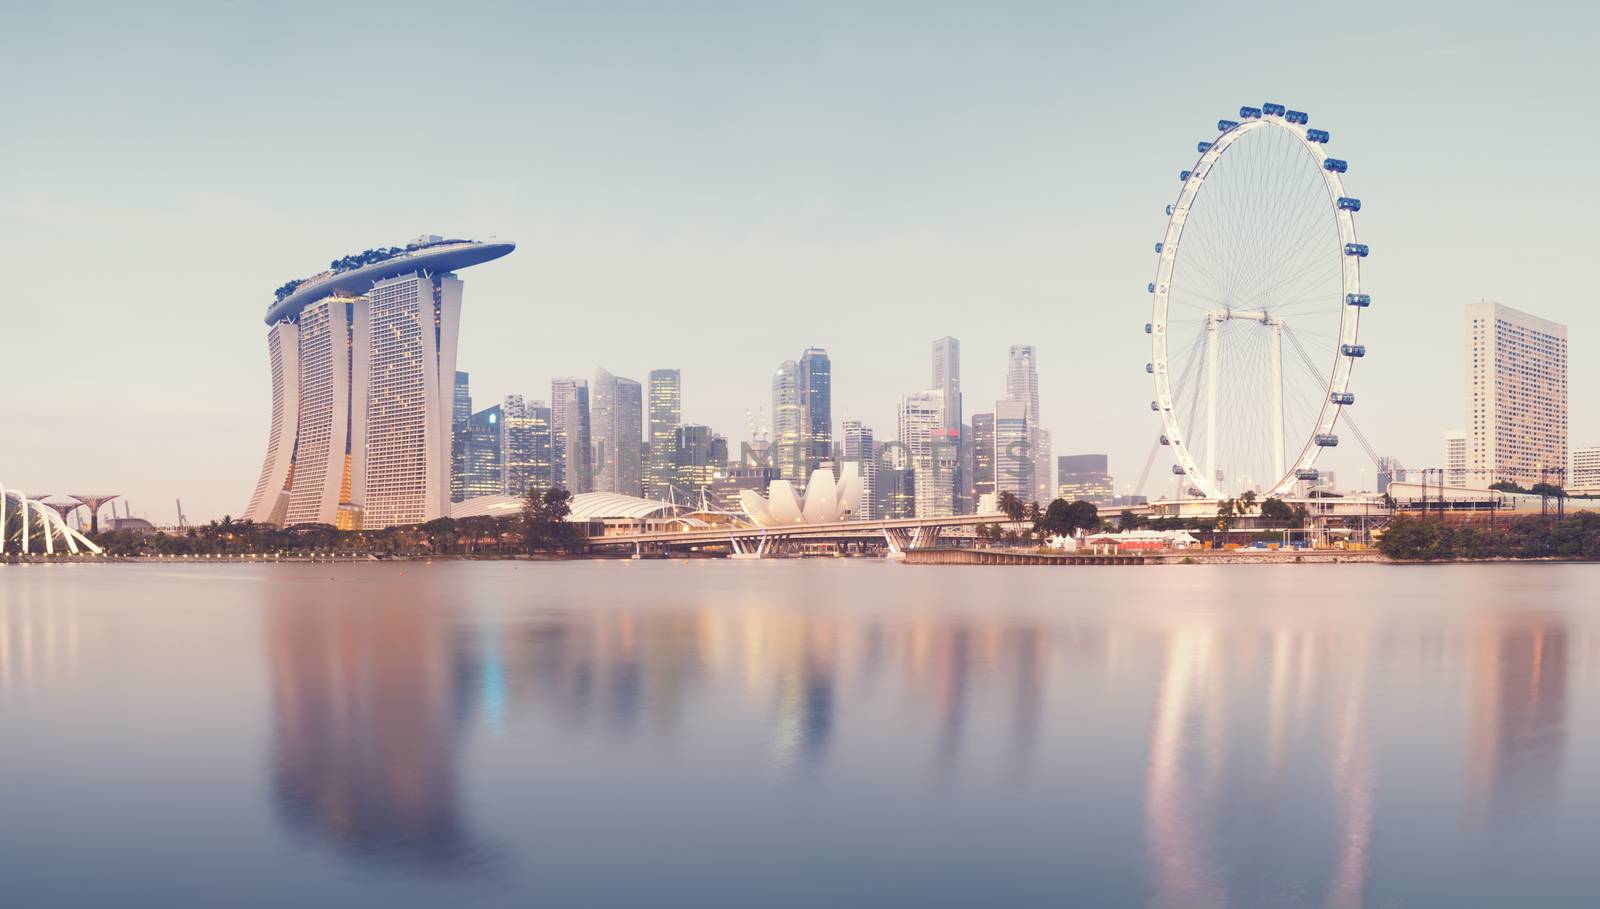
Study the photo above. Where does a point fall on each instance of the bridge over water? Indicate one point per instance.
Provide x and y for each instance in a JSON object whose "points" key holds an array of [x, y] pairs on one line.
{"points": [[899, 534]]}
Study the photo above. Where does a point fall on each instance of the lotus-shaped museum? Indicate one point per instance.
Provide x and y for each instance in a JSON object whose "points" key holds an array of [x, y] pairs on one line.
{"points": [[826, 500]]}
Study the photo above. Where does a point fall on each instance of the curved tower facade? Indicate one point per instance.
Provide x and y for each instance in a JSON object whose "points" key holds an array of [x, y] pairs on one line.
{"points": [[363, 358]]}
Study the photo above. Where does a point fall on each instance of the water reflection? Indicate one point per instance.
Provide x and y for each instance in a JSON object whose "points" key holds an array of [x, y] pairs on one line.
{"points": [[365, 698], [1518, 713], [1280, 749]]}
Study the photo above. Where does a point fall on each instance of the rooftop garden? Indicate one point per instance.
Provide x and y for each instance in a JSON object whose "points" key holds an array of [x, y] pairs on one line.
{"points": [[359, 260]]}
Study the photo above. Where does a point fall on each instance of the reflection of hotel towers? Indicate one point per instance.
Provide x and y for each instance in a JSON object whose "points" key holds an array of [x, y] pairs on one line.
{"points": [[364, 751], [1518, 712]]}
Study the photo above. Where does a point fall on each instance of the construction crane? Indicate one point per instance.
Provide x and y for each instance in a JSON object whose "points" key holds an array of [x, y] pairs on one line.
{"points": [[182, 521]]}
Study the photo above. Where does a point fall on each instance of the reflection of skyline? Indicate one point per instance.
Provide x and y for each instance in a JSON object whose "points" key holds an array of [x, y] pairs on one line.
{"points": [[621, 673], [1191, 757], [1268, 741], [364, 746], [1519, 713]]}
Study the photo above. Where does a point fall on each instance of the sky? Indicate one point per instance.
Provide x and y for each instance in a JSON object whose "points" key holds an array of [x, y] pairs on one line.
{"points": [[717, 186]]}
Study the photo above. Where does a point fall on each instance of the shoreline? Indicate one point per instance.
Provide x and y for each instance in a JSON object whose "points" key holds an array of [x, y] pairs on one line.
{"points": [[946, 557]]}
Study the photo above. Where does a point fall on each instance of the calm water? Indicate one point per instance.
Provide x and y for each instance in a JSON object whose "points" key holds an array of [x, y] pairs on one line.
{"points": [[799, 733]]}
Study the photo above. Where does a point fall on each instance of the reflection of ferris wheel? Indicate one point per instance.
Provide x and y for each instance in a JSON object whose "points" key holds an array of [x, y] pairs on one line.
{"points": [[1256, 304]]}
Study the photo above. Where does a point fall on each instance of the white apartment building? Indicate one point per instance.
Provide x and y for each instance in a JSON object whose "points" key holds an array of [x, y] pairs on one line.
{"points": [[1585, 469], [1516, 396], [1455, 457]]}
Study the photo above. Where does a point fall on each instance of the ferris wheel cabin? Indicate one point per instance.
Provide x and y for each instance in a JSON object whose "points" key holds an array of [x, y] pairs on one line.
{"points": [[1342, 397]]}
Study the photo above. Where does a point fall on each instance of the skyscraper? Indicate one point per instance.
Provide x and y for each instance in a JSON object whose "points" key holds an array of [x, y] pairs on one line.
{"points": [[322, 460], [460, 417], [527, 443], [1022, 380], [363, 360], [1516, 396], [815, 378], [1022, 385], [858, 447], [1455, 457], [982, 455], [931, 451], [947, 378], [461, 412], [666, 413], [414, 322], [1013, 455], [788, 419], [897, 496], [483, 454], [1085, 477], [1044, 468], [617, 430], [571, 452], [697, 455]]}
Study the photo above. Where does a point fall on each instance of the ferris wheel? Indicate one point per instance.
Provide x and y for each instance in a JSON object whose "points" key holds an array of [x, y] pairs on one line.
{"points": [[1256, 306]]}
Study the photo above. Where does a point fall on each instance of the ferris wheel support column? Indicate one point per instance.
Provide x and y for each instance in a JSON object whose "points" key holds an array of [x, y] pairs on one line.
{"points": [[1276, 356], [1213, 322]]}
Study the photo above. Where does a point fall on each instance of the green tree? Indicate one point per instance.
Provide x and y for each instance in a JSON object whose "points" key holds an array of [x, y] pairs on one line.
{"points": [[544, 516], [1225, 513], [1011, 506], [1063, 518], [1277, 510], [439, 533]]}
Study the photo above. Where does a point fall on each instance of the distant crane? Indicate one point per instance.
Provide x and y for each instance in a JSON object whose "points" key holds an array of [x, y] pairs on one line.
{"points": [[182, 521]]}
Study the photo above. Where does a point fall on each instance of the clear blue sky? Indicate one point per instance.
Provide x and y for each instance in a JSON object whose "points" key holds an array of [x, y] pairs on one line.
{"points": [[717, 186]]}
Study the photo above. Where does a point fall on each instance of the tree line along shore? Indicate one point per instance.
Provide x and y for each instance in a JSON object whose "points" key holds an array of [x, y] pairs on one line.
{"points": [[541, 530]]}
